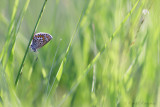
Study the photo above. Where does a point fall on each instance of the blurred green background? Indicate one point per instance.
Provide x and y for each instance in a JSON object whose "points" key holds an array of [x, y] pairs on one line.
{"points": [[121, 45]]}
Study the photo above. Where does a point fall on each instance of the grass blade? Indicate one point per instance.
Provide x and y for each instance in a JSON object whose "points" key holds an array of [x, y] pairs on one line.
{"points": [[15, 32], [10, 29], [10, 43], [40, 15], [49, 76], [60, 70], [84, 73]]}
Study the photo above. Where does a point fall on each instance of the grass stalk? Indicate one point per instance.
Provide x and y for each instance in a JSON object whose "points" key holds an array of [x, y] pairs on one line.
{"points": [[38, 20], [49, 76], [84, 73], [10, 29], [15, 32], [60, 70], [59, 73]]}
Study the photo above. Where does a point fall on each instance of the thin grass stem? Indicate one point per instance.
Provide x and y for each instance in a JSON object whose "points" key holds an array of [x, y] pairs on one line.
{"points": [[84, 73], [60, 70], [49, 76], [38, 20]]}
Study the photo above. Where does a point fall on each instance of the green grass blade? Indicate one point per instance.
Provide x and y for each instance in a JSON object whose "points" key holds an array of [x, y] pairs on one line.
{"points": [[84, 73], [15, 31], [128, 73], [10, 52], [111, 38], [49, 76], [10, 29], [59, 73], [60, 70], [9, 46], [38, 20]]}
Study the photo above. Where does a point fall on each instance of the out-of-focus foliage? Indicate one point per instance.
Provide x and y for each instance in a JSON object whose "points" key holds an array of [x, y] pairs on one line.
{"points": [[125, 73]]}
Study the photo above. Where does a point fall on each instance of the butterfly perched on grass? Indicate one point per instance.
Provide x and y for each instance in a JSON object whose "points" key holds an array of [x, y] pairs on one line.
{"points": [[39, 40]]}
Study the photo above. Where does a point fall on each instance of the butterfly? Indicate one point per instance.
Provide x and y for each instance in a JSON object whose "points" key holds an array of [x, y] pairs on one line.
{"points": [[39, 40]]}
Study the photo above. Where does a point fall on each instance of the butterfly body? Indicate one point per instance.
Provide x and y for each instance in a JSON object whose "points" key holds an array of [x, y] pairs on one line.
{"points": [[39, 40]]}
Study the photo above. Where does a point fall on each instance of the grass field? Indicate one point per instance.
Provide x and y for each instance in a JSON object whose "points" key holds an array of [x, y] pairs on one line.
{"points": [[104, 53]]}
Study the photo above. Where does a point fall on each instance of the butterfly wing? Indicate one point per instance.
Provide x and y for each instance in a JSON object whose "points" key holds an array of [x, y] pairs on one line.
{"points": [[34, 44], [47, 37], [43, 38], [39, 40]]}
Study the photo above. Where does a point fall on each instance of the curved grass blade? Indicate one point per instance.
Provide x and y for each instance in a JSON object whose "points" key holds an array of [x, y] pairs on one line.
{"points": [[10, 30], [10, 51], [84, 73], [38, 20], [134, 62], [7, 58], [49, 76], [60, 70], [59, 73]]}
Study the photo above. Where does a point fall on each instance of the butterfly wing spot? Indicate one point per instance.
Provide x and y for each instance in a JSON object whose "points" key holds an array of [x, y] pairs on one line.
{"points": [[48, 37], [43, 38]]}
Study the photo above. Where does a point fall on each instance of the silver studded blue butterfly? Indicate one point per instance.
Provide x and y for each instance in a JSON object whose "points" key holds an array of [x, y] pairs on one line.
{"points": [[39, 40]]}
